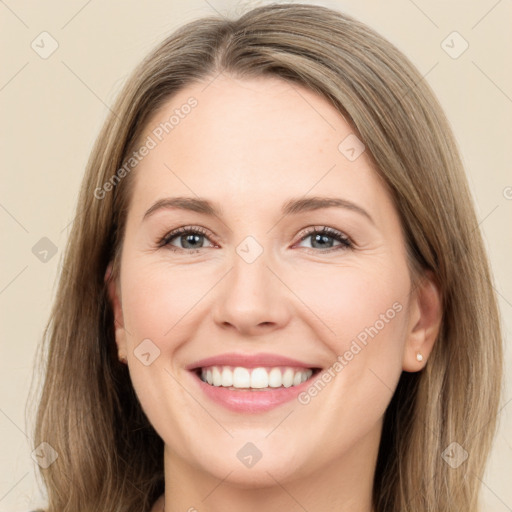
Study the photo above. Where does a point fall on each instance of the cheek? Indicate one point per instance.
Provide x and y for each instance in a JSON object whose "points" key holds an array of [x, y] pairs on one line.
{"points": [[367, 310], [157, 302], [357, 303], [157, 299]]}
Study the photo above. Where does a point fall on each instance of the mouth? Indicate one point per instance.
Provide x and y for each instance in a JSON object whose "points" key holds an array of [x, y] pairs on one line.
{"points": [[251, 383], [263, 378]]}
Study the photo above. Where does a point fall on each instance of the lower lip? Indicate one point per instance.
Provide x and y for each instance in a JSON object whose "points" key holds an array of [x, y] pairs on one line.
{"points": [[249, 400]]}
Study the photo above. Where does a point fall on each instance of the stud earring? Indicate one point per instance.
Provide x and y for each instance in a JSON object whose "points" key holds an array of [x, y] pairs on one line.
{"points": [[419, 357]]}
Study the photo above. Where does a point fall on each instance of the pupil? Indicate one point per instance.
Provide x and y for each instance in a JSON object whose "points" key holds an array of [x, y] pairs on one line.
{"points": [[323, 239], [190, 238]]}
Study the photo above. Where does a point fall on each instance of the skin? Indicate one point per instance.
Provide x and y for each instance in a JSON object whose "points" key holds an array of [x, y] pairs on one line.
{"points": [[249, 146]]}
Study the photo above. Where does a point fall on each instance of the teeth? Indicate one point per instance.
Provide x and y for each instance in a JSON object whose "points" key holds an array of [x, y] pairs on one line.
{"points": [[259, 378], [254, 378], [227, 378], [288, 377], [241, 378], [274, 378], [216, 376]]}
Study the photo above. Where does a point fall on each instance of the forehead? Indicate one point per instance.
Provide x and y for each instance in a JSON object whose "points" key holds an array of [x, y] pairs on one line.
{"points": [[239, 141]]}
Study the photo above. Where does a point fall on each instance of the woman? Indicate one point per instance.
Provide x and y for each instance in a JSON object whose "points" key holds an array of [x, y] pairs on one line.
{"points": [[275, 295]]}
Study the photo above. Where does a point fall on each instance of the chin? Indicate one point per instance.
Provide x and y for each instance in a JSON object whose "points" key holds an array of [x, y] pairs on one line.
{"points": [[243, 473]]}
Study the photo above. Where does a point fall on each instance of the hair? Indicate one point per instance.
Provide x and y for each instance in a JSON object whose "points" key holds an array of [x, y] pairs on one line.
{"points": [[110, 457]]}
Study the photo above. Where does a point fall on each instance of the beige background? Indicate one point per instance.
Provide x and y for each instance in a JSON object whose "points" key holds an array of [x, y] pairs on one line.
{"points": [[52, 110]]}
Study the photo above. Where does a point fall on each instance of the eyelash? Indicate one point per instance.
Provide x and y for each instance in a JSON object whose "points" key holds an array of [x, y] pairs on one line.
{"points": [[346, 242]]}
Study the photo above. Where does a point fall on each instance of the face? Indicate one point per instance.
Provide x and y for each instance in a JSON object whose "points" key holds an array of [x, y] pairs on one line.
{"points": [[307, 303]]}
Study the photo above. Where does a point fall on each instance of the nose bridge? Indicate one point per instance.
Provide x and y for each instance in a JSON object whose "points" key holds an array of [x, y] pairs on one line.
{"points": [[251, 296], [249, 283]]}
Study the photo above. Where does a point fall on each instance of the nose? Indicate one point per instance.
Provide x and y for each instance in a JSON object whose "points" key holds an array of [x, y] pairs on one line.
{"points": [[252, 299]]}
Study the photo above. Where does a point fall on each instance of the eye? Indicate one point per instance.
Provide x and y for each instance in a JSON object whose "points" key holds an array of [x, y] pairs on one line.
{"points": [[324, 237], [191, 238]]}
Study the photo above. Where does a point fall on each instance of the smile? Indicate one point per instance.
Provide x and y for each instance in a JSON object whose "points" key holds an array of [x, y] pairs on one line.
{"points": [[251, 383], [261, 378]]}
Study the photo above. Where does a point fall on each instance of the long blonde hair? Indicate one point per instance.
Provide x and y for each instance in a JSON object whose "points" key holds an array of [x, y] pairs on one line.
{"points": [[110, 457]]}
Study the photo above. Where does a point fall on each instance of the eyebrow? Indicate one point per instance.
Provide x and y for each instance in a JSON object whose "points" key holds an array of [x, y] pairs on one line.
{"points": [[291, 207]]}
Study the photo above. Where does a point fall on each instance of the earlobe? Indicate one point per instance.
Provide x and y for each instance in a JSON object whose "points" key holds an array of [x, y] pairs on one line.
{"points": [[115, 302], [425, 324]]}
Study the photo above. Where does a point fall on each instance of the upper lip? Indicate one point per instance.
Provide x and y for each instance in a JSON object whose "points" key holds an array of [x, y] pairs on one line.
{"points": [[249, 361]]}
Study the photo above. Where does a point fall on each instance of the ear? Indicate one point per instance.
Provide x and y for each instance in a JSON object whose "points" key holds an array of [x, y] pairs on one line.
{"points": [[425, 322], [114, 295]]}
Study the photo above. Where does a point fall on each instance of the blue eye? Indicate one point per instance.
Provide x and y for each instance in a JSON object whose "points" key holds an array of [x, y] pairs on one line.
{"points": [[191, 238], [323, 238]]}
